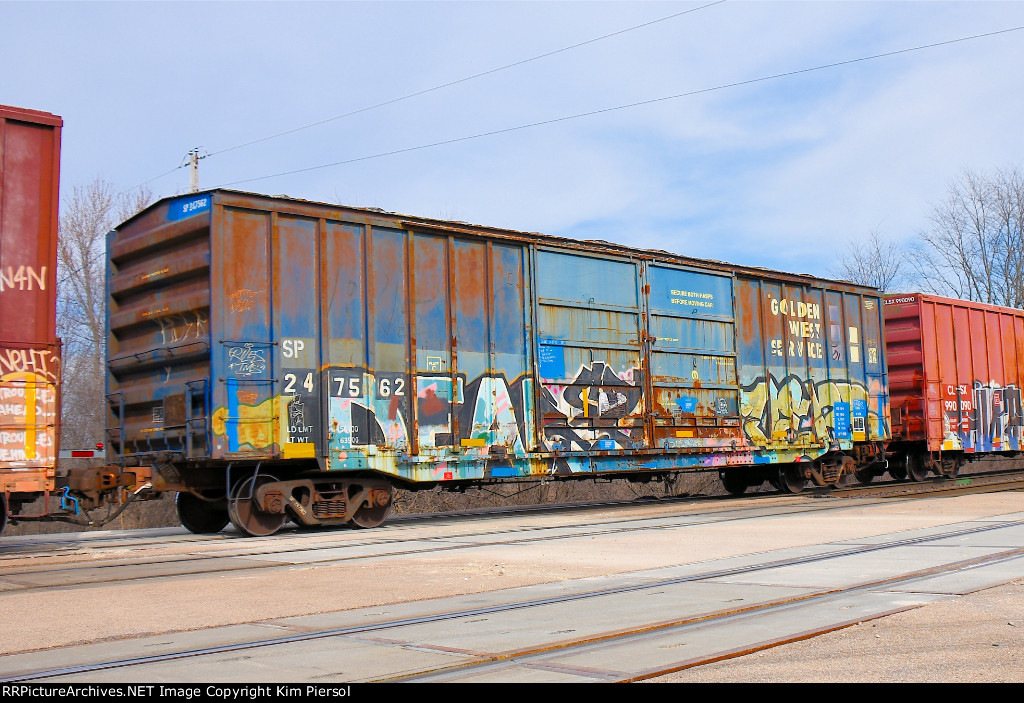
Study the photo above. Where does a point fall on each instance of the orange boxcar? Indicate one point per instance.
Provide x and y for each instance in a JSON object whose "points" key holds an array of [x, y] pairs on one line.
{"points": [[29, 360], [955, 374]]}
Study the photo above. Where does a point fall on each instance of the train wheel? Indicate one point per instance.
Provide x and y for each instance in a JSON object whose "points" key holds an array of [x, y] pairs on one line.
{"points": [[951, 468], [864, 476], [915, 468], [375, 508], [791, 479], [733, 482], [898, 469], [200, 516], [246, 516], [3, 512]]}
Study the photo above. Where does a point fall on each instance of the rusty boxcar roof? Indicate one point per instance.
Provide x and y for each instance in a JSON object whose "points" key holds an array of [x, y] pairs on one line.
{"points": [[24, 114], [369, 215]]}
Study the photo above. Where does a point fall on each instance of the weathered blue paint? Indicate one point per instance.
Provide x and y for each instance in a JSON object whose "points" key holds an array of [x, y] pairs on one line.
{"points": [[348, 340]]}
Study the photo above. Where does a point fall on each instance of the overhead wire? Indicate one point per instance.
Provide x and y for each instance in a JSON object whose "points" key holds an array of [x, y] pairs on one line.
{"points": [[467, 78], [641, 103], [150, 180], [434, 88]]}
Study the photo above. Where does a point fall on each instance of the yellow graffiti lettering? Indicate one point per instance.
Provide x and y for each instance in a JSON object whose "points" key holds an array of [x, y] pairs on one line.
{"points": [[797, 411], [254, 422]]}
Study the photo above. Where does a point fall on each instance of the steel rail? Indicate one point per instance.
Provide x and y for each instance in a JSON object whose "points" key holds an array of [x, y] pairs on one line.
{"points": [[682, 625], [646, 628], [125, 540], [528, 534]]}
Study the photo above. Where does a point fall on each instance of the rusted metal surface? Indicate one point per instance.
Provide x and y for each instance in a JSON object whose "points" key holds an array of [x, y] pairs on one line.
{"points": [[158, 327], [29, 349], [327, 339], [957, 373], [812, 366]]}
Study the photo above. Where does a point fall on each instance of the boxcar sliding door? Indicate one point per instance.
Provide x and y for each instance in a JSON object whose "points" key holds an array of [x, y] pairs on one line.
{"points": [[590, 353]]}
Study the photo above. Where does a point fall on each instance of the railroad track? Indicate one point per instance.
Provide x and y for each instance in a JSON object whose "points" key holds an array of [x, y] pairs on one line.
{"points": [[641, 625], [225, 555], [108, 559]]}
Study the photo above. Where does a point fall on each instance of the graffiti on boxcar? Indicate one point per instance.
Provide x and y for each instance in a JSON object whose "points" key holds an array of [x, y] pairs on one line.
{"points": [[245, 361], [798, 410], [27, 416], [182, 327], [297, 426], [22, 278], [244, 299], [595, 411], [495, 412], [488, 411], [40, 362], [250, 424], [358, 422], [985, 417], [373, 410], [997, 416]]}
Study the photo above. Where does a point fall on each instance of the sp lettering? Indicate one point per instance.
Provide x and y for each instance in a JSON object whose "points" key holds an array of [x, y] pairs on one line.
{"points": [[292, 348]]}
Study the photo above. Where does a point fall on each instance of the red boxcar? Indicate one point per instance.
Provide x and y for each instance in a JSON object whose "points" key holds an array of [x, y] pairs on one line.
{"points": [[955, 374], [29, 368]]}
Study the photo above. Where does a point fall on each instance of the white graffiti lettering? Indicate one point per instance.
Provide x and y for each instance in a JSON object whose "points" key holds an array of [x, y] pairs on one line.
{"points": [[37, 361], [246, 361], [181, 327], [22, 278]]}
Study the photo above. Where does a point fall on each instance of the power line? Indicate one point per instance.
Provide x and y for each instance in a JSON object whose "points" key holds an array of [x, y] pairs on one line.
{"points": [[435, 88], [463, 80], [150, 180], [625, 107]]}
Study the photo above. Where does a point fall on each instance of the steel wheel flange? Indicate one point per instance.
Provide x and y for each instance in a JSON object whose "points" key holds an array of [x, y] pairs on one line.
{"points": [[200, 516], [246, 516], [374, 510], [790, 480]]}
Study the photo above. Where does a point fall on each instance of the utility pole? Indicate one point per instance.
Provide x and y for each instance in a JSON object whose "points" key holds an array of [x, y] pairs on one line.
{"points": [[193, 157]]}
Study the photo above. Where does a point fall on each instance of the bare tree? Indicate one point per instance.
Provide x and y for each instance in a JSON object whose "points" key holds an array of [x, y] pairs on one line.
{"points": [[86, 216], [973, 249], [875, 262]]}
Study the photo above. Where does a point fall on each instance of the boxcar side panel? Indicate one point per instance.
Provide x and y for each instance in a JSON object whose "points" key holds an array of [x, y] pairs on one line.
{"points": [[297, 333], [348, 340], [812, 374], [29, 361], [966, 390], [245, 419], [693, 359], [343, 279]]}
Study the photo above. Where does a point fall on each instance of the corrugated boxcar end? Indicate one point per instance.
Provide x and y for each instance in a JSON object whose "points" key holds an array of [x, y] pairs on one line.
{"points": [[324, 352], [29, 349], [958, 368], [158, 332]]}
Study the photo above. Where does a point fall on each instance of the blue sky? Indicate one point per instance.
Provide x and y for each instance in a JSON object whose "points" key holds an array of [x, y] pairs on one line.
{"points": [[781, 174]]}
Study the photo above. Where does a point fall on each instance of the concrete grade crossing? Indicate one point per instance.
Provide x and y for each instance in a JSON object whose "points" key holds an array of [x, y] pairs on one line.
{"points": [[727, 601]]}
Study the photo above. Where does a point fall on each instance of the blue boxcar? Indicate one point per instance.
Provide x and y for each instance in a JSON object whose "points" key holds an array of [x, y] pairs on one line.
{"points": [[274, 358]]}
